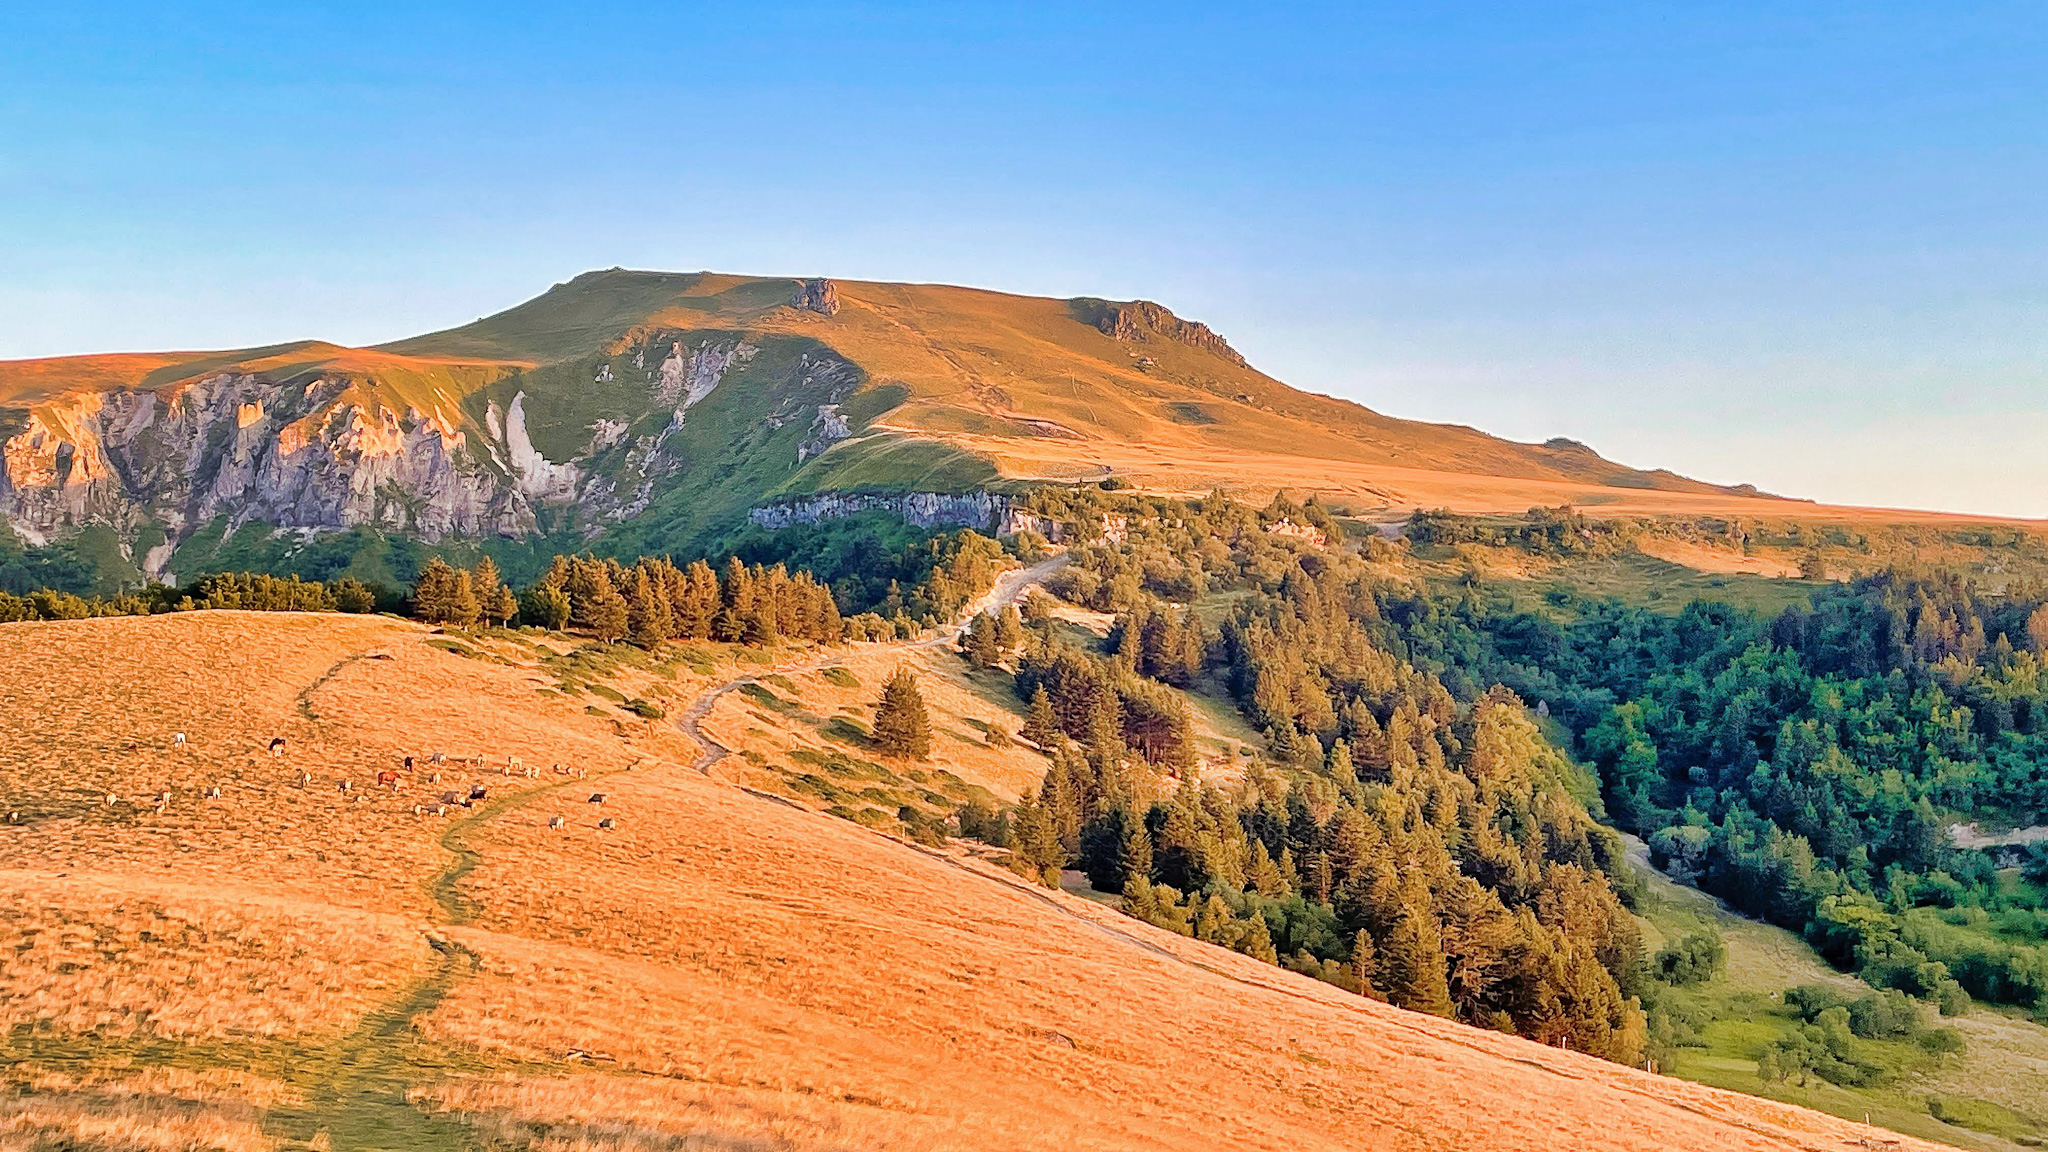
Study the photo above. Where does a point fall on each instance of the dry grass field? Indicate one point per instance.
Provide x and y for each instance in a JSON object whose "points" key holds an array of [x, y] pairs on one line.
{"points": [[288, 967]]}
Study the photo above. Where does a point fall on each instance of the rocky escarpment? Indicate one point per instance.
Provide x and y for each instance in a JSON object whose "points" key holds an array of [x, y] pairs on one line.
{"points": [[336, 453], [299, 454], [1141, 320], [984, 511]]}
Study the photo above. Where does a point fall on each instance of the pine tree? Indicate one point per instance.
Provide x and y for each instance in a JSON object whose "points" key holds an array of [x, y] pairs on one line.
{"points": [[462, 605], [1137, 845], [1365, 966], [1256, 939], [433, 594], [545, 606], [606, 613], [1412, 961], [503, 606], [902, 727], [485, 583], [648, 616], [1040, 725], [1009, 629]]}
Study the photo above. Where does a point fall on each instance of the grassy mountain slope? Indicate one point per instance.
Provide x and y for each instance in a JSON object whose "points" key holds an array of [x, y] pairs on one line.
{"points": [[290, 966], [1035, 388]]}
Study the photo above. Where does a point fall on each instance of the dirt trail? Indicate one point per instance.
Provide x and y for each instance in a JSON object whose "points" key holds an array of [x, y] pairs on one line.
{"points": [[357, 1090], [1008, 589]]}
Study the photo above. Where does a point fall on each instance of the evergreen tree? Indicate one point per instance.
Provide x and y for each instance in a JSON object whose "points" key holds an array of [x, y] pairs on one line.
{"points": [[463, 609], [902, 727], [545, 606], [1412, 961], [503, 606], [485, 584], [433, 594], [607, 614], [1137, 845], [1365, 965], [648, 615], [1040, 725]]}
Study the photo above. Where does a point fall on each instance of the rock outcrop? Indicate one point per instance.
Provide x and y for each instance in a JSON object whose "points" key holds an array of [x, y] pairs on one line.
{"points": [[1142, 320], [315, 455], [983, 511], [820, 296]]}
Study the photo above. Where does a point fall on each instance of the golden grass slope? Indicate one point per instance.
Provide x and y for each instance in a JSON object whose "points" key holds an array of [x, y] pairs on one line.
{"points": [[719, 970]]}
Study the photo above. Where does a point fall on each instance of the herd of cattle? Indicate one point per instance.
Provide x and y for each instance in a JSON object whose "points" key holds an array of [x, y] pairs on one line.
{"points": [[427, 769]]}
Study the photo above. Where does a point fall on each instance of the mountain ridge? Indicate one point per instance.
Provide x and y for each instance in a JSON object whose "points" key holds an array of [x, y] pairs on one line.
{"points": [[652, 407]]}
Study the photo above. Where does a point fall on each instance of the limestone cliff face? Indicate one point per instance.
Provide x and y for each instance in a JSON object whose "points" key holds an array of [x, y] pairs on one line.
{"points": [[315, 455], [335, 453], [985, 511]]}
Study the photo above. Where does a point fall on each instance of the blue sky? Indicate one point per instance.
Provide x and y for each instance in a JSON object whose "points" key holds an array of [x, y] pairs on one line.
{"points": [[1803, 246]]}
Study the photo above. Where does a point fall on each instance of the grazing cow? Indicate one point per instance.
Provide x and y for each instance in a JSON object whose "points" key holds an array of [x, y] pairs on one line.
{"points": [[442, 810], [305, 778], [408, 763], [597, 797], [479, 792], [111, 799], [607, 822], [177, 739], [438, 758], [556, 822], [344, 785], [450, 798], [433, 778], [388, 779], [277, 746], [213, 793]]}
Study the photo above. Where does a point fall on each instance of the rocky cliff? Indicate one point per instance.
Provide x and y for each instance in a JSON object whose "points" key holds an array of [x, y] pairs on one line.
{"points": [[983, 511], [327, 451]]}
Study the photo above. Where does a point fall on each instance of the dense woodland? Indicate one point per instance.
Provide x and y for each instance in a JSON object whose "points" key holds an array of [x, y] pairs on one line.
{"points": [[1806, 767], [1405, 844], [880, 583]]}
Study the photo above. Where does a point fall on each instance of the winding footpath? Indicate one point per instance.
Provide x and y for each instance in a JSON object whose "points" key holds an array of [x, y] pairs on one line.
{"points": [[1008, 589]]}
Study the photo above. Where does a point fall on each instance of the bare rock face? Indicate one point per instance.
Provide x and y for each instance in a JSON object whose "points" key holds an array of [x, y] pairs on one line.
{"points": [[1142, 320], [986, 511], [315, 456], [820, 296]]}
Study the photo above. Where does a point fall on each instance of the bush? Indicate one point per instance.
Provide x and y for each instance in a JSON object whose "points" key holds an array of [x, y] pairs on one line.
{"points": [[1886, 1015], [1694, 959], [1942, 1041]]}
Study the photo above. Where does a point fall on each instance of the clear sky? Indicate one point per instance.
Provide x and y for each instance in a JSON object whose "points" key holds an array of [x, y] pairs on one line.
{"points": [[1801, 245]]}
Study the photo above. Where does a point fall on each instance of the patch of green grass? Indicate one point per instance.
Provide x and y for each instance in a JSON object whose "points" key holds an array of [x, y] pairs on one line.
{"points": [[1647, 582], [840, 677], [893, 462], [1981, 1116], [1745, 1012]]}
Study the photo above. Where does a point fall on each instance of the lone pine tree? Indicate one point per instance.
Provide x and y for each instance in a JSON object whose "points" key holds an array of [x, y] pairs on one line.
{"points": [[902, 727]]}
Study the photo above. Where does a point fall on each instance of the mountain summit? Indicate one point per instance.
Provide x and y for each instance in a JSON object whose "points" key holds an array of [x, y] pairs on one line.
{"points": [[654, 407]]}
